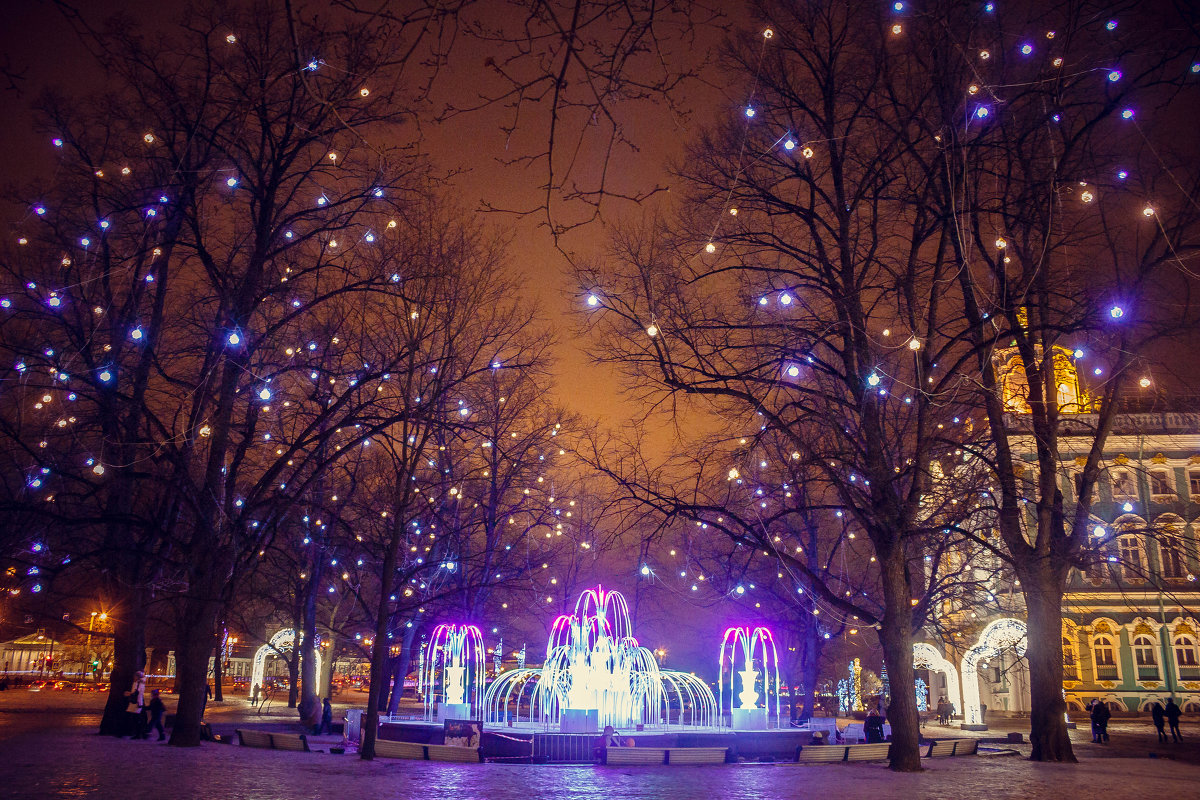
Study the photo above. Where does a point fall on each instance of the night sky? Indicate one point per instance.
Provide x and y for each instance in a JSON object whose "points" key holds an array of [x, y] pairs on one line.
{"points": [[42, 51]]}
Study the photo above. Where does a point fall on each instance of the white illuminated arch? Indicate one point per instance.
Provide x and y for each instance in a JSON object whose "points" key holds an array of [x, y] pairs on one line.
{"points": [[281, 641], [926, 656], [996, 636]]}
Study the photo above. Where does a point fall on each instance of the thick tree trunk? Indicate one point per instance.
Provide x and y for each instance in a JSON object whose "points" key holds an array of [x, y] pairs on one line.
{"points": [[293, 663], [191, 666], [897, 639], [381, 645], [308, 648], [1042, 588], [129, 655], [810, 669]]}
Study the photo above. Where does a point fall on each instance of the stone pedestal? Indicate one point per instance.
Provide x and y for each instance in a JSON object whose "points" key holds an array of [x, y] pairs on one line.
{"points": [[454, 711], [580, 720], [967, 727], [749, 719]]}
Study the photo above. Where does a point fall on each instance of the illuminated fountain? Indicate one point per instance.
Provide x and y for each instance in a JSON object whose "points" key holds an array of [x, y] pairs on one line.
{"points": [[453, 672], [754, 651], [596, 674]]}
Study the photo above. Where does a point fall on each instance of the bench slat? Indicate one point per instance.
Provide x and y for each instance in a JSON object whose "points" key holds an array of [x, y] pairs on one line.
{"points": [[449, 752], [385, 748], [254, 738], [967, 747], [290, 741], [821, 754], [627, 756], [868, 752], [696, 755], [942, 748]]}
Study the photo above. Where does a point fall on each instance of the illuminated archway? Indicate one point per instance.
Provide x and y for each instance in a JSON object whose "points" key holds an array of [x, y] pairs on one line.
{"points": [[998, 635], [926, 656], [281, 641]]}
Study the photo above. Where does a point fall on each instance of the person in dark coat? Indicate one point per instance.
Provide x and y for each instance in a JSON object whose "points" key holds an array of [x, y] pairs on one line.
{"points": [[1173, 713], [157, 708], [326, 717], [1100, 715], [873, 727], [1156, 714]]}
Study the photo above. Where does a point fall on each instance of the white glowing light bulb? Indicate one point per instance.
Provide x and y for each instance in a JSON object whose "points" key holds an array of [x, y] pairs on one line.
{"points": [[652, 330], [710, 248]]}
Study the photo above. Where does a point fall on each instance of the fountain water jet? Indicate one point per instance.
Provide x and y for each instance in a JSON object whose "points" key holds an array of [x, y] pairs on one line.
{"points": [[595, 674], [755, 650], [453, 672]]}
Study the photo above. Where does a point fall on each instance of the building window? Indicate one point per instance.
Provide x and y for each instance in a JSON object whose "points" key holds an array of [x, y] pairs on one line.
{"points": [[1106, 661], [1185, 659], [1070, 665], [1123, 486], [1174, 565], [1194, 484], [1132, 563], [1160, 484], [1144, 656]]}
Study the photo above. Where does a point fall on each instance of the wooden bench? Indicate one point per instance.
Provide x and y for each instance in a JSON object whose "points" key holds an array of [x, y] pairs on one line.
{"points": [[254, 738], [450, 752], [649, 756], [695, 755], [385, 748], [953, 747], [821, 753], [634, 756], [868, 752], [290, 741]]}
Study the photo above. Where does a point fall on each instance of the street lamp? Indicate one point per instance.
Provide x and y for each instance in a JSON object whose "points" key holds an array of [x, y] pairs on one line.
{"points": [[91, 622]]}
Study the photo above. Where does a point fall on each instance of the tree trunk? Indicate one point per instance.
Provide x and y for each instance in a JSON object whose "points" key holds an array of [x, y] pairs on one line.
{"points": [[1042, 588], [401, 669], [896, 637], [293, 662], [129, 655], [191, 667], [810, 669], [308, 645], [218, 665], [380, 646]]}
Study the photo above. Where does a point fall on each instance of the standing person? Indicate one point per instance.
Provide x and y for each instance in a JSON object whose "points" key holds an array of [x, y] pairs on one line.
{"points": [[1100, 715], [1173, 712], [157, 708], [137, 699], [207, 695], [326, 717], [1156, 714], [873, 727]]}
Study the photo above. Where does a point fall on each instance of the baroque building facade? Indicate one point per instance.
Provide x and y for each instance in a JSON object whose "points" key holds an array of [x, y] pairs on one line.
{"points": [[1131, 628]]}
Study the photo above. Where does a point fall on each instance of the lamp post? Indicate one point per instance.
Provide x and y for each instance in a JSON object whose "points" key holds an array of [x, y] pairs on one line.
{"points": [[103, 616]]}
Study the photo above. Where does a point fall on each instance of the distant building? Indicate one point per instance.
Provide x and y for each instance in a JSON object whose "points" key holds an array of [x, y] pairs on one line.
{"points": [[1131, 633], [30, 656]]}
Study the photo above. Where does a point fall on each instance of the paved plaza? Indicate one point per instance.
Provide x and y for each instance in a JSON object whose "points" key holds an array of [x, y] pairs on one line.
{"points": [[48, 749]]}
